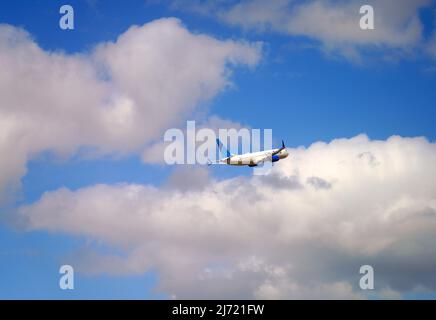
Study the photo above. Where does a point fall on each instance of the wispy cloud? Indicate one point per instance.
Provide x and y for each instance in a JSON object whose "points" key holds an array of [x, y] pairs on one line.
{"points": [[333, 24]]}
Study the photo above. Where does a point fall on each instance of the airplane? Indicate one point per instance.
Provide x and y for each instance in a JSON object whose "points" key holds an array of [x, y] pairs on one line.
{"points": [[251, 159]]}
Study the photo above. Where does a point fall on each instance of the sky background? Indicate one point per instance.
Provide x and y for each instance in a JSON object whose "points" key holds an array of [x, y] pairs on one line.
{"points": [[307, 88]]}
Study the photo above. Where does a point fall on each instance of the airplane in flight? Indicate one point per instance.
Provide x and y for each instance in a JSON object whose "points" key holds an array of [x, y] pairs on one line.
{"points": [[251, 159]]}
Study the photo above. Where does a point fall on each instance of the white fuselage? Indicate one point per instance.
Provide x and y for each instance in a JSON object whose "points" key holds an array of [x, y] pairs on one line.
{"points": [[254, 158]]}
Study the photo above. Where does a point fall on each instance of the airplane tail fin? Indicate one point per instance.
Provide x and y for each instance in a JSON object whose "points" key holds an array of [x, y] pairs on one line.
{"points": [[224, 152]]}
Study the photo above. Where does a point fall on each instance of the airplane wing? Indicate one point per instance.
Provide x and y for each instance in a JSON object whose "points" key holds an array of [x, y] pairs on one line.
{"points": [[269, 156], [280, 149], [261, 159]]}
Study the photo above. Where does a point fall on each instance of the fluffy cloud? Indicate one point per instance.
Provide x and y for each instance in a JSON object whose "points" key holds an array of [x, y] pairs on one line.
{"points": [[334, 24], [115, 99], [302, 231]]}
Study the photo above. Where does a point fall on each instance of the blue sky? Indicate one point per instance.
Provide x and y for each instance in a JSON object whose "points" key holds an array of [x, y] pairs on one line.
{"points": [[305, 94]]}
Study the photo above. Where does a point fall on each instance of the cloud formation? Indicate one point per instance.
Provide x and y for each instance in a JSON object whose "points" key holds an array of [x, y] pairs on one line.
{"points": [[115, 99], [303, 232], [333, 24]]}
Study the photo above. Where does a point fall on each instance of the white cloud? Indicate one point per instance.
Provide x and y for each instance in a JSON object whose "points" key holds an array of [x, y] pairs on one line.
{"points": [[115, 99], [278, 236], [334, 24]]}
